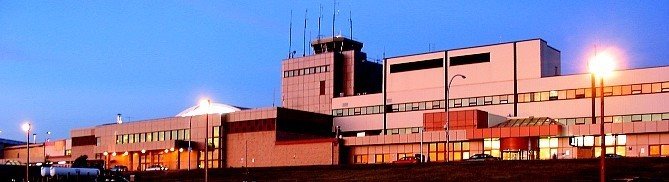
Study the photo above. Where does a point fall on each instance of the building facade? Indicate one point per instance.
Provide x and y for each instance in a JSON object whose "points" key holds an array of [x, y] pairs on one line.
{"points": [[514, 104], [509, 100]]}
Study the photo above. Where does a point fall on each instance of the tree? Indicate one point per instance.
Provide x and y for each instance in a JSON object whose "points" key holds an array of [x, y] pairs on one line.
{"points": [[81, 161]]}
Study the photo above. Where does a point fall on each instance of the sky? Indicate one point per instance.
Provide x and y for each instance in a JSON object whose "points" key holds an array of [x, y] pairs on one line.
{"points": [[73, 64]]}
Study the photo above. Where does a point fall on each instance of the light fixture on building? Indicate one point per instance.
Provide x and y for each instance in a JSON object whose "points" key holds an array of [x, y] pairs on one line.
{"points": [[181, 150], [143, 151], [113, 153], [105, 153], [125, 153], [172, 149], [166, 151]]}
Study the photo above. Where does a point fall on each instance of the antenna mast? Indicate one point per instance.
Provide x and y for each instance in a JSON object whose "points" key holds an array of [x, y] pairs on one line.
{"points": [[290, 35], [350, 22], [334, 14], [304, 34]]}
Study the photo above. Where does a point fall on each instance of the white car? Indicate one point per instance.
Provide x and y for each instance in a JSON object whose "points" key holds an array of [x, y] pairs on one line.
{"points": [[156, 167]]}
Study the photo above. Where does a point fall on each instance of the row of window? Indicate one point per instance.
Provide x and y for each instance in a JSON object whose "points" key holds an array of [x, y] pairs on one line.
{"points": [[358, 111], [182, 134], [616, 119], [590, 141], [618, 90], [306, 71], [658, 150], [436, 152]]}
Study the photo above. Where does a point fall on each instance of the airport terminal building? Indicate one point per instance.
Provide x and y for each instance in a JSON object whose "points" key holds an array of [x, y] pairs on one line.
{"points": [[509, 100]]}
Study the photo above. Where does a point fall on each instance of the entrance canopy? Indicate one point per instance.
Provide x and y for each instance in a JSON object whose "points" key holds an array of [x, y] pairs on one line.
{"points": [[519, 127]]}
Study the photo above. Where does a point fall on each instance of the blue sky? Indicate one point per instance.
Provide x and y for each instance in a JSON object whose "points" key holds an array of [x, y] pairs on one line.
{"points": [[66, 64]]}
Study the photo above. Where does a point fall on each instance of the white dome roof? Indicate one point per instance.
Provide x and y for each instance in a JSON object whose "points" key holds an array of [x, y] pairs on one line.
{"points": [[216, 108]]}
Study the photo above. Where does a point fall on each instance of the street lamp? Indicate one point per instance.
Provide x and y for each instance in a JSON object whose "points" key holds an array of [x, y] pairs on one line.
{"points": [[46, 139], [26, 128], [206, 104], [602, 65], [446, 127]]}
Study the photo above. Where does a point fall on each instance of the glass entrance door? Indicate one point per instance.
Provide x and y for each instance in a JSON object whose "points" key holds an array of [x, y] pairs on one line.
{"points": [[511, 155]]}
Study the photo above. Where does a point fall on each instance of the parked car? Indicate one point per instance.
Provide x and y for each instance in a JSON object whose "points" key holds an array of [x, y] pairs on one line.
{"points": [[406, 160], [613, 156], [156, 167], [483, 157], [119, 168]]}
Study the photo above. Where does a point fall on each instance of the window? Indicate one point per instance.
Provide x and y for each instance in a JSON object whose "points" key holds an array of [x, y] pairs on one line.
{"points": [[322, 88], [470, 59], [382, 158], [665, 87], [544, 96], [472, 101], [608, 91], [571, 94], [142, 137], [562, 94], [646, 88], [626, 89], [436, 152], [149, 137], [97, 141], [537, 96], [360, 159], [617, 90], [548, 148], [580, 93], [487, 101], [553, 95], [491, 146], [636, 89], [459, 151], [457, 103], [417, 65]]}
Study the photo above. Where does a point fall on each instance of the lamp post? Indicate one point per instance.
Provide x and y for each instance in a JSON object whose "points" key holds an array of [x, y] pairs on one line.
{"points": [[46, 139], [446, 127], [190, 126], [601, 65], [206, 104], [26, 128]]}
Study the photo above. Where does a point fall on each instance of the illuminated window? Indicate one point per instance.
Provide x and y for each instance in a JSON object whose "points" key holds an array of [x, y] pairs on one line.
{"points": [[656, 87], [646, 88], [548, 148], [571, 94], [459, 151], [562, 94], [636, 89], [665, 87], [617, 90], [580, 93], [553, 95], [491, 146], [654, 150]]}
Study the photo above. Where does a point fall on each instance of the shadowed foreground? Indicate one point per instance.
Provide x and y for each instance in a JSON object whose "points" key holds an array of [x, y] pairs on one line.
{"points": [[652, 169]]}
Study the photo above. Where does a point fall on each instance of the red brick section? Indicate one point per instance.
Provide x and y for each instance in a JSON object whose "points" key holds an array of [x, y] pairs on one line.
{"points": [[460, 120]]}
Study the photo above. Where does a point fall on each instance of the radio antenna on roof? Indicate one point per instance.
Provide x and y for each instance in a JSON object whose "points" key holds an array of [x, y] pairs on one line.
{"points": [[290, 36]]}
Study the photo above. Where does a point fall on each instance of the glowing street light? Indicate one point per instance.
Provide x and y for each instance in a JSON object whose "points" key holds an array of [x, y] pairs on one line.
{"points": [[26, 128], [602, 65]]}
